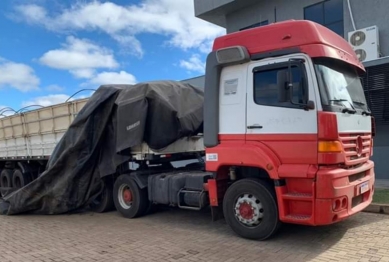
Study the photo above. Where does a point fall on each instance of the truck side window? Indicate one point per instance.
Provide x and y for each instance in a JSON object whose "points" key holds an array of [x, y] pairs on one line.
{"points": [[271, 87]]}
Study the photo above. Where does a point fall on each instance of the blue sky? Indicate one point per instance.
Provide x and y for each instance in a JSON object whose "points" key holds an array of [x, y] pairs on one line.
{"points": [[50, 49]]}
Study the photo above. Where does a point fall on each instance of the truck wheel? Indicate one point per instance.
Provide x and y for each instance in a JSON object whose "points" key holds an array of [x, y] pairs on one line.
{"points": [[20, 179], [6, 178], [103, 202], [130, 200], [250, 209]]}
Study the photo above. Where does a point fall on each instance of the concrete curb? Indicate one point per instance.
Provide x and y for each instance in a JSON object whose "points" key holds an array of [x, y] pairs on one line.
{"points": [[377, 208]]}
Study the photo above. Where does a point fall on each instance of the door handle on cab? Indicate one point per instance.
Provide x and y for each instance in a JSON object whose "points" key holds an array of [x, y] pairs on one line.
{"points": [[255, 127]]}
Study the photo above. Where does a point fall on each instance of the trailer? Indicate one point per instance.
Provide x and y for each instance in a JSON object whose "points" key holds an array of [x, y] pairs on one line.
{"points": [[272, 139], [28, 139]]}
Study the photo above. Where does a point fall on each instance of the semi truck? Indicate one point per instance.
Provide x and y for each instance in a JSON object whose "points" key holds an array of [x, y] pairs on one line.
{"points": [[287, 137]]}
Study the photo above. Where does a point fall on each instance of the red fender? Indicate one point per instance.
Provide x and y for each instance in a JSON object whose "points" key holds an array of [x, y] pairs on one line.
{"points": [[239, 153]]}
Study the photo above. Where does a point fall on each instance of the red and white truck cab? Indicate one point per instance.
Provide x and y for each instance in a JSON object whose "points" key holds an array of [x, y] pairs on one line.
{"points": [[285, 110]]}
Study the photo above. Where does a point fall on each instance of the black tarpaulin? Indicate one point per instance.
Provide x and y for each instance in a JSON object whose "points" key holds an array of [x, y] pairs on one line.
{"points": [[161, 112], [115, 118]]}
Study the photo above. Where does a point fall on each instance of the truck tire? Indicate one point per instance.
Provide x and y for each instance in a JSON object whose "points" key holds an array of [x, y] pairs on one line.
{"points": [[250, 209], [6, 178], [104, 202], [20, 179], [129, 199]]}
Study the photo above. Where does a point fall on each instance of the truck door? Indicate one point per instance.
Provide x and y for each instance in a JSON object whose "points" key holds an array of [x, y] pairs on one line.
{"points": [[282, 108]]}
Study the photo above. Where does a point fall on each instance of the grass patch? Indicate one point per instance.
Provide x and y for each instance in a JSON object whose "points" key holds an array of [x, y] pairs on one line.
{"points": [[381, 196]]}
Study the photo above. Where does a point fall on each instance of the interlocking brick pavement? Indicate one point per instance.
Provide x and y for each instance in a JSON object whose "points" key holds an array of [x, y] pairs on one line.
{"points": [[184, 236]]}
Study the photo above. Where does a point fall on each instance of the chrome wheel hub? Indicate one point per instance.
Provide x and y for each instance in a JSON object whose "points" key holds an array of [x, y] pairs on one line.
{"points": [[249, 210]]}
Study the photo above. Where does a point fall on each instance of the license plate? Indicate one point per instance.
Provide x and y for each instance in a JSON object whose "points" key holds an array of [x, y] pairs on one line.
{"points": [[364, 187]]}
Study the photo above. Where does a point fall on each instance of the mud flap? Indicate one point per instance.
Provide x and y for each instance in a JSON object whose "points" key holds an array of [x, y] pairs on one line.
{"points": [[217, 213], [4, 206]]}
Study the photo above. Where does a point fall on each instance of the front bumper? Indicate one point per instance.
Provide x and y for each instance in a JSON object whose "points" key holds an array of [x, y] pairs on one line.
{"points": [[341, 193]]}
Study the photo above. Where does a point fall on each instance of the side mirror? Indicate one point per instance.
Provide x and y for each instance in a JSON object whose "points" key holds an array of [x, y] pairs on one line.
{"points": [[300, 86], [282, 80], [310, 105], [297, 91]]}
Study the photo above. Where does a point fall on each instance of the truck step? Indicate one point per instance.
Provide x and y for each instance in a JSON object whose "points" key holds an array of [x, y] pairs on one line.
{"points": [[298, 196], [297, 217]]}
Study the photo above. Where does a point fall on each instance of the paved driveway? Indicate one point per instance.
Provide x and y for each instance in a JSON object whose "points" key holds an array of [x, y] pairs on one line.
{"points": [[178, 235]]}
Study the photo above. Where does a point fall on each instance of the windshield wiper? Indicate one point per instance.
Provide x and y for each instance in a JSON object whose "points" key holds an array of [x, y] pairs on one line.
{"points": [[346, 109], [364, 112], [359, 103]]}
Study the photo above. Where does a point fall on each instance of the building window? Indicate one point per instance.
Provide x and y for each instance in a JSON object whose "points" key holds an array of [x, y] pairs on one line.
{"points": [[271, 86], [327, 13], [266, 22]]}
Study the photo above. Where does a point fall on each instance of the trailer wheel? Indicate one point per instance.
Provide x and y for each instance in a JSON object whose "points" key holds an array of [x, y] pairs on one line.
{"points": [[20, 179], [250, 209], [103, 202], [6, 178], [130, 200]]}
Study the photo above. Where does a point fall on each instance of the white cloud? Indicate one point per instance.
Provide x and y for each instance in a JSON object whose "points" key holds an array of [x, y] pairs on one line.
{"points": [[80, 56], [121, 77], [83, 73], [33, 12], [17, 75], [46, 100], [194, 64], [130, 44], [171, 18], [84, 59], [54, 88]]}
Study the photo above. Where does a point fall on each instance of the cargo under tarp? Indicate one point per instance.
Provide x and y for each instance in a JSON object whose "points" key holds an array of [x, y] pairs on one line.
{"points": [[115, 118]]}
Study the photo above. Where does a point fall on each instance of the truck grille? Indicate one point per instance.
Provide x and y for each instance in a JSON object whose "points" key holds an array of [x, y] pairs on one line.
{"points": [[356, 148]]}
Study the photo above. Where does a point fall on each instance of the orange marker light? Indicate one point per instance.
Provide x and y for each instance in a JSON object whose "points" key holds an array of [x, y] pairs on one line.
{"points": [[329, 146]]}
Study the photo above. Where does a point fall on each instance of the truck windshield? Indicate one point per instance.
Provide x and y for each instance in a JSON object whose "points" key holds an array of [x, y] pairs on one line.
{"points": [[340, 85]]}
